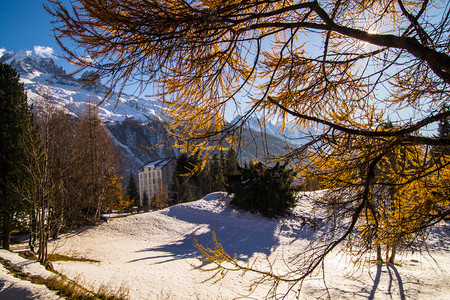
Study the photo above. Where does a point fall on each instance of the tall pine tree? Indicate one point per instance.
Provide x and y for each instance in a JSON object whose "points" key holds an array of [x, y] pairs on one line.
{"points": [[132, 191], [15, 121]]}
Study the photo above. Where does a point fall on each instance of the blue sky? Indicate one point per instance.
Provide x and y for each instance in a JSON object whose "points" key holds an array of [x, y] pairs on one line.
{"points": [[25, 25]]}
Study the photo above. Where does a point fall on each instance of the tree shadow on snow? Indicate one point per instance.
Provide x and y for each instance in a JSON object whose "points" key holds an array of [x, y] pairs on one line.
{"points": [[14, 291], [240, 233], [391, 269]]}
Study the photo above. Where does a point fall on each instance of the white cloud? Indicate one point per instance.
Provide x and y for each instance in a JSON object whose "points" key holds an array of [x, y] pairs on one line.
{"points": [[2, 51], [43, 51]]}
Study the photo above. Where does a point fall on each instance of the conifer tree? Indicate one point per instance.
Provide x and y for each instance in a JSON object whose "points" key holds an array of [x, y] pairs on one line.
{"points": [[262, 189], [161, 196], [443, 132], [15, 122], [145, 202], [132, 191], [114, 194], [187, 183], [231, 164], [216, 173], [99, 161]]}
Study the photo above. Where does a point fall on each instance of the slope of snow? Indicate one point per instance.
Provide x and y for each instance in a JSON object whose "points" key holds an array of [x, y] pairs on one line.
{"points": [[153, 256], [13, 288]]}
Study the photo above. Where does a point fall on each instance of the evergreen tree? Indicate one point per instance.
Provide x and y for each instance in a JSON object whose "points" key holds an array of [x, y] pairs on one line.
{"points": [[145, 203], [216, 173], [222, 161], [187, 178], [132, 191], [258, 188], [15, 122], [214, 165], [231, 163]]}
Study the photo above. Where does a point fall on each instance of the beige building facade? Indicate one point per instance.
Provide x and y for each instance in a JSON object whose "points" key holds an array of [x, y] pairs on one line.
{"points": [[155, 176]]}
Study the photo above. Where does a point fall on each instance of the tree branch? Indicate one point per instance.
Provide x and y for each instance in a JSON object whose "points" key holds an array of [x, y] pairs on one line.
{"points": [[369, 133]]}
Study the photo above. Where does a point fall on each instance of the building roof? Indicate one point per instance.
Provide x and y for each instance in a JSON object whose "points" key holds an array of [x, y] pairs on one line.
{"points": [[157, 164]]}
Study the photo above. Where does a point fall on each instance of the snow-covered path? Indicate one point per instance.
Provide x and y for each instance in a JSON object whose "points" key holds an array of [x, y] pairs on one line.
{"points": [[16, 289]]}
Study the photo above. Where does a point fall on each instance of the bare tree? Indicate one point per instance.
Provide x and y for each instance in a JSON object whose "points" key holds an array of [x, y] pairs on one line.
{"points": [[42, 188], [161, 197], [72, 172], [99, 162]]}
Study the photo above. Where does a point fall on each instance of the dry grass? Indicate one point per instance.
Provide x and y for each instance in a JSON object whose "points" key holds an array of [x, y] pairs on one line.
{"points": [[60, 257], [65, 287], [74, 290], [56, 257]]}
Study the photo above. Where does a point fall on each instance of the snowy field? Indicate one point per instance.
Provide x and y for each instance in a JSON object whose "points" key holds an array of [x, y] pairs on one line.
{"points": [[152, 256], [12, 288]]}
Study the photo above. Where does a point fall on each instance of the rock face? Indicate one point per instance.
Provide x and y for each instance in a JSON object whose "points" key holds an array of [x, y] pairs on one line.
{"points": [[141, 142]]}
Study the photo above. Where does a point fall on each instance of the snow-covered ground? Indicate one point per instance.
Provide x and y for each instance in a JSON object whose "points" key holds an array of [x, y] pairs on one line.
{"points": [[153, 256], [14, 289]]}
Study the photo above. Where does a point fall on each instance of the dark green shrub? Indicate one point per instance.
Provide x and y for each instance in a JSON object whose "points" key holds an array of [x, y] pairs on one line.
{"points": [[266, 190]]}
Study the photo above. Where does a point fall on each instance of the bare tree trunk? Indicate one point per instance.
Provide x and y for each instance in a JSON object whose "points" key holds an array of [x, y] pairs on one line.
{"points": [[44, 234], [393, 252], [379, 258], [56, 228], [6, 230], [33, 231]]}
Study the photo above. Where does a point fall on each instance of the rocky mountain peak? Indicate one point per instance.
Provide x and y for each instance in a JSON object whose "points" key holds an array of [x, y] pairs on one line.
{"points": [[26, 63]]}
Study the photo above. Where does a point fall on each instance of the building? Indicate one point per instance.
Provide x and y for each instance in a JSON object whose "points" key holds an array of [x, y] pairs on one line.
{"points": [[154, 176]]}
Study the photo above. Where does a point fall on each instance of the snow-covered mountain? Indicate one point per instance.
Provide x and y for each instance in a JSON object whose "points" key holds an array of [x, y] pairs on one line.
{"points": [[42, 77], [48, 85], [26, 63], [131, 121], [292, 136]]}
